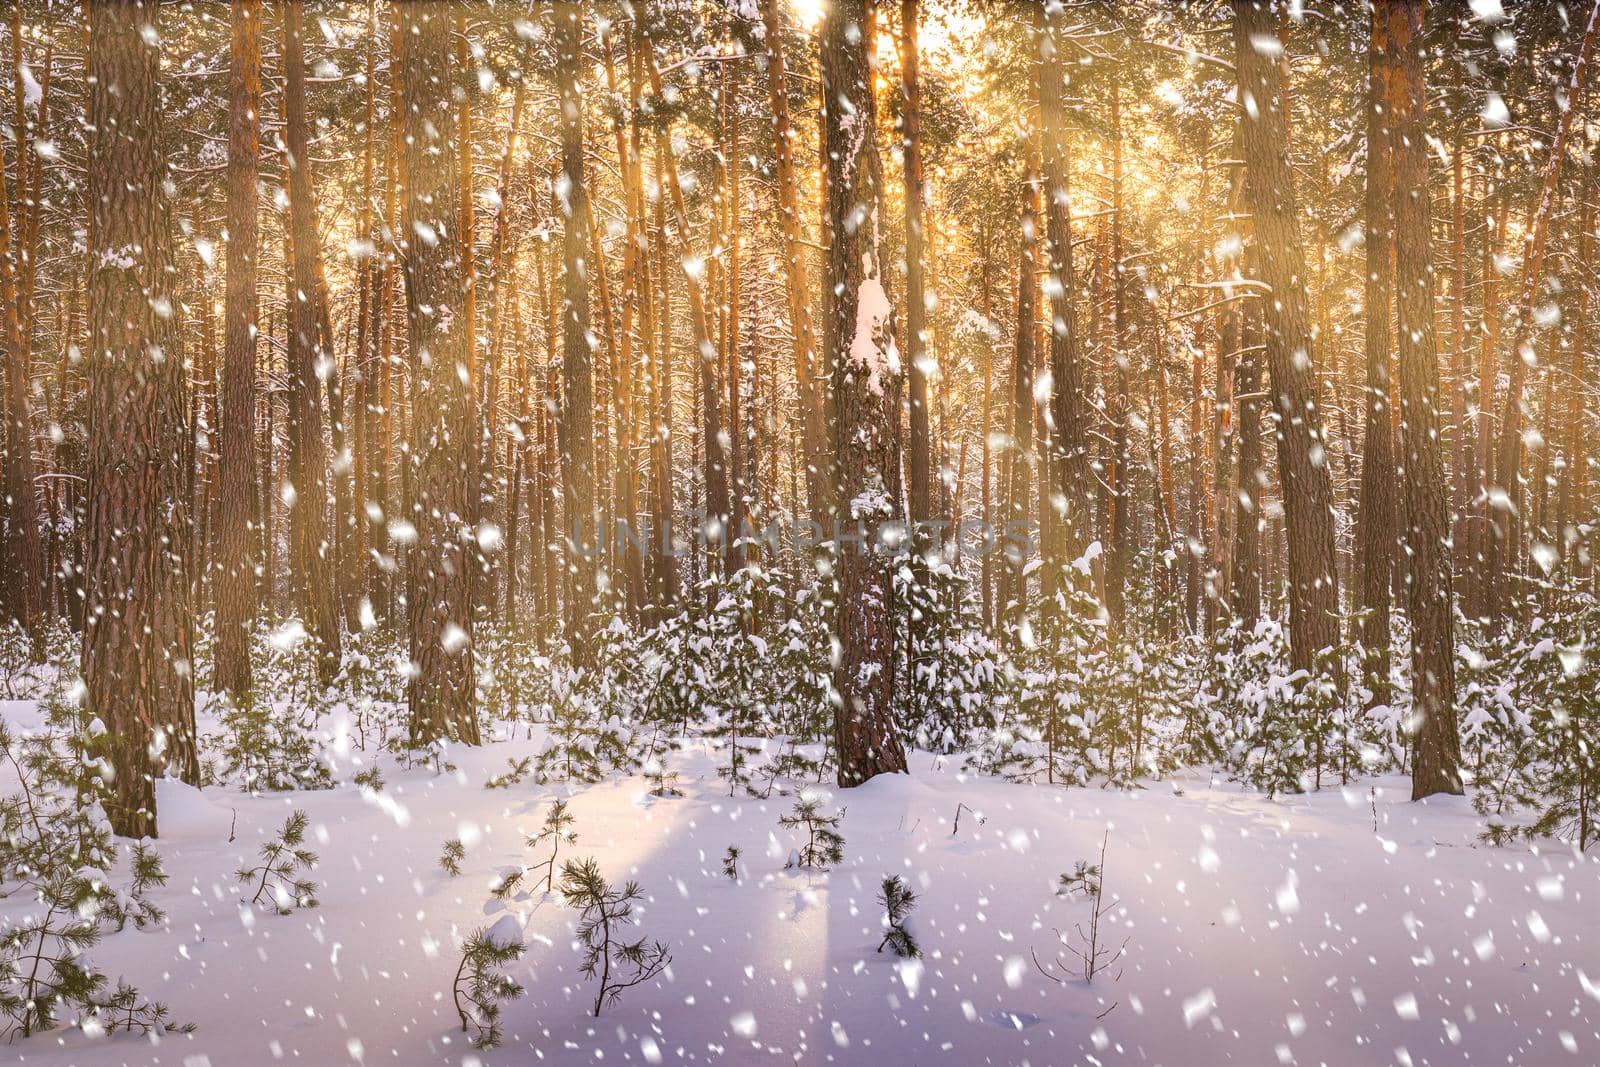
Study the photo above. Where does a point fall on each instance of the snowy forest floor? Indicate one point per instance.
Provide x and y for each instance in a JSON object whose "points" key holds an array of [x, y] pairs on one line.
{"points": [[1258, 931]]}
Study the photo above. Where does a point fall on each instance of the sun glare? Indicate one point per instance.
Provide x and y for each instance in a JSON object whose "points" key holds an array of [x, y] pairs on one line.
{"points": [[808, 13]]}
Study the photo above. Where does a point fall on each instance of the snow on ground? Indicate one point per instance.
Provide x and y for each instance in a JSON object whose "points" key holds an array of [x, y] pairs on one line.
{"points": [[1257, 931]]}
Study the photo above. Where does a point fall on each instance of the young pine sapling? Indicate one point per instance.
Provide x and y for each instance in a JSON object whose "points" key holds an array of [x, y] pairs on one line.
{"points": [[824, 844], [619, 964], [730, 863], [1092, 956], [663, 783], [481, 986], [898, 900], [280, 876], [556, 832], [135, 904], [516, 770], [450, 859]]}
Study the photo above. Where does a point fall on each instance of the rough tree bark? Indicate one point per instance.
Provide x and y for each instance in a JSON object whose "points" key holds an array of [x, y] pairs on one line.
{"points": [[22, 587], [1437, 745], [1376, 518], [1302, 460], [315, 591], [866, 389], [137, 643], [236, 590], [438, 597], [1072, 481], [577, 372]]}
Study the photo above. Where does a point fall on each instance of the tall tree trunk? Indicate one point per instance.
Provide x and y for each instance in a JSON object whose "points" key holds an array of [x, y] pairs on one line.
{"points": [[1073, 480], [576, 430], [443, 423], [920, 444], [716, 465], [311, 564], [1302, 457], [1119, 397], [236, 592], [1503, 548], [1377, 520], [1013, 578], [796, 285], [22, 586], [866, 388], [137, 641], [1485, 529], [1573, 506], [732, 241], [1437, 746]]}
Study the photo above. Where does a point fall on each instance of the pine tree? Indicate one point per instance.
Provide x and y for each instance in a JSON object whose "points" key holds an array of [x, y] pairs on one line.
{"points": [[824, 844], [557, 831], [480, 987], [605, 912], [898, 901], [280, 877]]}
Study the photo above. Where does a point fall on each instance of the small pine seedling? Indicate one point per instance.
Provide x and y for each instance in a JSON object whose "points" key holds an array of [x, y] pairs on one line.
{"points": [[516, 771], [663, 783], [279, 876], [1084, 879], [371, 778], [824, 844], [556, 831], [730, 863], [450, 859], [127, 1012], [898, 900], [147, 874], [508, 882], [480, 986], [606, 912]]}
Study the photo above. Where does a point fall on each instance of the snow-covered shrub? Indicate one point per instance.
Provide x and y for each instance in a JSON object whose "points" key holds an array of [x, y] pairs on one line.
{"points": [[951, 666], [1539, 768], [264, 745], [587, 741], [56, 850]]}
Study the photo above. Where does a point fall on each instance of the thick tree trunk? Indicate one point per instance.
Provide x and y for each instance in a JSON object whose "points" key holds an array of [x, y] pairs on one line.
{"points": [[1119, 397], [1302, 457], [236, 592], [576, 430], [137, 642], [22, 586], [1019, 459], [866, 389], [1072, 480], [314, 589], [1377, 519], [1437, 746], [919, 445], [443, 422]]}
